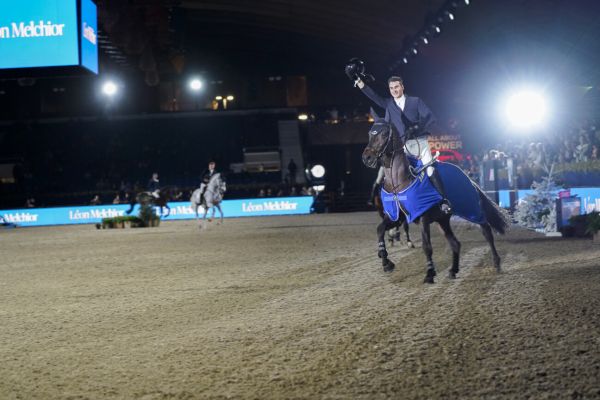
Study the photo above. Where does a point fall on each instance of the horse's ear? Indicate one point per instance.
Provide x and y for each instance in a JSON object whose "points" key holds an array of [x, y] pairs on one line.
{"points": [[373, 114]]}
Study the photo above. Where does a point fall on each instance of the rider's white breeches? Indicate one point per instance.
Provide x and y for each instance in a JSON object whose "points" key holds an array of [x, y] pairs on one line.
{"points": [[419, 148]]}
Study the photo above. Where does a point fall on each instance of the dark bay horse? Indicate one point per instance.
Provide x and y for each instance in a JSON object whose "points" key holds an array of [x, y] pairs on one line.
{"points": [[385, 147], [165, 195]]}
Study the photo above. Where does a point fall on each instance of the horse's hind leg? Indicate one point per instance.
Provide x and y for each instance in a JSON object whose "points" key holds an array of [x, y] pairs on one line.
{"points": [[382, 253], [486, 230], [409, 242], [454, 245], [428, 250]]}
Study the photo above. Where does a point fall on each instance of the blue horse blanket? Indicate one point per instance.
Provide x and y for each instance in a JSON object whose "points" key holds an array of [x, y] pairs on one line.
{"points": [[421, 195]]}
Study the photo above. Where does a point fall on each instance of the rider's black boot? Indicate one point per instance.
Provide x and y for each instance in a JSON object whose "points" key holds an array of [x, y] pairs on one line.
{"points": [[439, 186]]}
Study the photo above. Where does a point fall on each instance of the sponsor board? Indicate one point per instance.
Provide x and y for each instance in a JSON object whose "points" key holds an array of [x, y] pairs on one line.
{"points": [[590, 197], [179, 210], [38, 33]]}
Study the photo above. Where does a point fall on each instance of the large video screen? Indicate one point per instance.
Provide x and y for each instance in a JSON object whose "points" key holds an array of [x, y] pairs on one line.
{"points": [[89, 36], [38, 33]]}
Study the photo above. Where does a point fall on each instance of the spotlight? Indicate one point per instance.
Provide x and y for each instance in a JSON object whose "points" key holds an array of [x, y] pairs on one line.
{"points": [[230, 98], [405, 60], [437, 29], [219, 98], [424, 39], [302, 117], [196, 84], [318, 171], [110, 88], [526, 109], [449, 15], [467, 2], [414, 51]]}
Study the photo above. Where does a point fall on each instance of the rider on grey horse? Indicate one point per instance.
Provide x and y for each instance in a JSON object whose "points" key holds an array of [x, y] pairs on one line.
{"points": [[154, 186], [206, 175]]}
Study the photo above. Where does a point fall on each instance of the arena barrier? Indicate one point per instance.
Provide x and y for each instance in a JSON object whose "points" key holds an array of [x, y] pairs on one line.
{"points": [[590, 197], [179, 210]]}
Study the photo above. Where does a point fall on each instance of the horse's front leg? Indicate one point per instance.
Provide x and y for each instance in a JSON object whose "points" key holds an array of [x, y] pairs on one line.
{"points": [[220, 213], [454, 245], [131, 205], [428, 250], [382, 253]]}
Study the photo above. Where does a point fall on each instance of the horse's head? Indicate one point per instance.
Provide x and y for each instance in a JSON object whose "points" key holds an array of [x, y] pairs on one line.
{"points": [[380, 136]]}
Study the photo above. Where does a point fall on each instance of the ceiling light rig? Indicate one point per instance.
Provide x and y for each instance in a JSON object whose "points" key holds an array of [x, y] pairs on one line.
{"points": [[433, 28]]}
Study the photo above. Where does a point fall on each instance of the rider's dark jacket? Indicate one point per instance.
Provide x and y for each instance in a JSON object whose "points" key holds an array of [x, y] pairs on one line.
{"points": [[207, 174], [153, 185], [415, 113]]}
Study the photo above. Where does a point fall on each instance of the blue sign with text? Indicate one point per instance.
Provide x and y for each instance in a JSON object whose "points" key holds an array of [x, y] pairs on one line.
{"points": [[179, 210], [38, 33], [89, 36]]}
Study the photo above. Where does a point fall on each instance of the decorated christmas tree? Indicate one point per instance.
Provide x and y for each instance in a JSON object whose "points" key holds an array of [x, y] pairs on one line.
{"points": [[538, 209]]}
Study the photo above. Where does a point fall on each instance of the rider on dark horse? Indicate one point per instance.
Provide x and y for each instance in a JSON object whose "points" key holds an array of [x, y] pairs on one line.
{"points": [[154, 186], [206, 177], [411, 117]]}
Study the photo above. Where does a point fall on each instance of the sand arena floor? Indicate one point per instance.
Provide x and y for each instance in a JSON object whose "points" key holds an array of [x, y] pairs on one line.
{"points": [[293, 307]]}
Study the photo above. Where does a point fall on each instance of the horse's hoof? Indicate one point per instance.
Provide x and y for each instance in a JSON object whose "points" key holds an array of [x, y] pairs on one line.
{"points": [[389, 266], [410, 245], [452, 275], [382, 254], [430, 275]]}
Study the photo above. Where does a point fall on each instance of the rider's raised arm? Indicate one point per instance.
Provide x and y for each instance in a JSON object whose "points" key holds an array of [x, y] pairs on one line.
{"points": [[370, 93]]}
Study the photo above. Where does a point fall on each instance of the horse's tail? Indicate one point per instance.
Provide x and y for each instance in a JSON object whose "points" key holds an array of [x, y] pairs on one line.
{"points": [[496, 216]]}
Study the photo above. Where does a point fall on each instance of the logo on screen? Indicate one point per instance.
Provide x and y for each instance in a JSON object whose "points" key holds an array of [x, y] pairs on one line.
{"points": [[23, 30], [89, 34]]}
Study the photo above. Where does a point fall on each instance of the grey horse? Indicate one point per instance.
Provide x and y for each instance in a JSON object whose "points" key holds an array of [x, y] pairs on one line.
{"points": [[215, 189]]}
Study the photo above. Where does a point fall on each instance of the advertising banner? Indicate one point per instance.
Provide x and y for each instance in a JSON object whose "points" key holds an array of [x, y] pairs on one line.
{"points": [[89, 36], [179, 210], [50, 34], [38, 33]]}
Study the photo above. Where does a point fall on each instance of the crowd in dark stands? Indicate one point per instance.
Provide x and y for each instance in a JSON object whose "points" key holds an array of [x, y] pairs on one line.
{"points": [[532, 160]]}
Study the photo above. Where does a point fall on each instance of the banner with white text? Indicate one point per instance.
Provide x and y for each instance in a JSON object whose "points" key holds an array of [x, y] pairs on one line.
{"points": [[179, 210]]}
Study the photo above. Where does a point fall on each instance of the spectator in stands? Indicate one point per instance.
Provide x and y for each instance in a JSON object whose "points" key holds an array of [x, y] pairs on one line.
{"points": [[95, 200], [30, 202], [269, 192], [117, 199], [582, 149], [261, 193], [594, 152], [292, 170]]}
